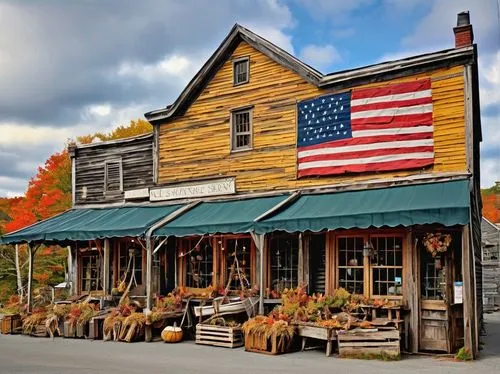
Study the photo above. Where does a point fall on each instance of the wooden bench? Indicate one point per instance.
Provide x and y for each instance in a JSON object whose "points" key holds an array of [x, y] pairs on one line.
{"points": [[317, 332]]}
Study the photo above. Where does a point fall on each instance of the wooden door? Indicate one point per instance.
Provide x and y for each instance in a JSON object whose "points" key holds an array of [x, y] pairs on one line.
{"points": [[435, 277]]}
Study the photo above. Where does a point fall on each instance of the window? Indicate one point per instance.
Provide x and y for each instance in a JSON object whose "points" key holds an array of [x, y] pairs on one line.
{"points": [[198, 262], [91, 273], [240, 71], [383, 265], [351, 264], [284, 259], [130, 261], [238, 263], [241, 130], [387, 265], [113, 179]]}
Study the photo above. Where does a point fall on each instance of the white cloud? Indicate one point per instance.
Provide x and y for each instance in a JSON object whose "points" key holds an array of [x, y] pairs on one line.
{"points": [[32, 135], [174, 66], [100, 109], [320, 56]]}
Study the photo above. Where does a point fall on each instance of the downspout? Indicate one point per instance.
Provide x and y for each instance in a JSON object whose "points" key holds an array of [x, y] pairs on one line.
{"points": [[149, 249]]}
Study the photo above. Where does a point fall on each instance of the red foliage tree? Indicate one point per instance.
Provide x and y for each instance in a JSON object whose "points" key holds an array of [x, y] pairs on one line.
{"points": [[491, 207], [49, 193]]}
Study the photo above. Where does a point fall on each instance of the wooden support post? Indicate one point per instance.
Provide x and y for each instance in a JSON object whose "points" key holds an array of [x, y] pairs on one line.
{"points": [[411, 293], [105, 270], [20, 290], [468, 293], [301, 260], [259, 244], [31, 258], [75, 286]]}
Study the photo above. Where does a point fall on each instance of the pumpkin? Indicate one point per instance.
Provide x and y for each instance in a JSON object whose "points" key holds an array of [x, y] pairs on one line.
{"points": [[171, 334]]}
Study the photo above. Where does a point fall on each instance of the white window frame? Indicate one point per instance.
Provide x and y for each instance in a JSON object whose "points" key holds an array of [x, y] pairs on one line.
{"points": [[106, 163], [234, 134], [236, 62]]}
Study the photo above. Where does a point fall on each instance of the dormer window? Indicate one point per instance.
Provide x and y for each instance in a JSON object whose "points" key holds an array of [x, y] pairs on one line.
{"points": [[241, 70]]}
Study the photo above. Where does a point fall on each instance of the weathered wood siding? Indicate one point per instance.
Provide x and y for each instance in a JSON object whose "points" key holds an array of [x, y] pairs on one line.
{"points": [[197, 145], [491, 264], [137, 166]]}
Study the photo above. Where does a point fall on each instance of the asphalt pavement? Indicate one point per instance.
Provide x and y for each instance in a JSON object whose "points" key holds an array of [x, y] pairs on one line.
{"points": [[22, 354]]}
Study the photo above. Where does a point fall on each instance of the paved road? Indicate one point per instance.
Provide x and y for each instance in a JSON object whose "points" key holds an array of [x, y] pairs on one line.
{"points": [[22, 354]]}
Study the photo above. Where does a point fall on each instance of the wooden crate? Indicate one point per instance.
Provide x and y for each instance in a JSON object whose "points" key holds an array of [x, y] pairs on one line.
{"points": [[69, 331], [259, 344], [40, 331], [360, 343], [219, 336], [11, 323]]}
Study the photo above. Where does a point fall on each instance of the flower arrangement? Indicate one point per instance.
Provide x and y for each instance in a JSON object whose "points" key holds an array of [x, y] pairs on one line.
{"points": [[436, 243]]}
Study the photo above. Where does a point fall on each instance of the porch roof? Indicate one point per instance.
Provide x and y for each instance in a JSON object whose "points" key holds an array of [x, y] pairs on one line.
{"points": [[228, 216], [445, 203], [92, 223]]}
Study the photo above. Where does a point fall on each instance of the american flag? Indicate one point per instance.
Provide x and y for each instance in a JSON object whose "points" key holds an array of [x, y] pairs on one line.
{"points": [[372, 129]]}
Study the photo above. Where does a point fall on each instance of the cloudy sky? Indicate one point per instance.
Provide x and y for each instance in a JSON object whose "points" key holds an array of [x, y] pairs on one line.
{"points": [[69, 68]]}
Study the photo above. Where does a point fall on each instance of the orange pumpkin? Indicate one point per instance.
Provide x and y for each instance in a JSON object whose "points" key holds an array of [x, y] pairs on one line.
{"points": [[172, 334]]}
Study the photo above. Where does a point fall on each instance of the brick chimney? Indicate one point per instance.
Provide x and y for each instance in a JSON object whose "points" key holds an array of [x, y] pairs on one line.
{"points": [[463, 32]]}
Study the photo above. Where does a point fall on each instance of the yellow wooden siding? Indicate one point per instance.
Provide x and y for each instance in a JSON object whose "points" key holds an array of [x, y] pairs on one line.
{"points": [[197, 145]]}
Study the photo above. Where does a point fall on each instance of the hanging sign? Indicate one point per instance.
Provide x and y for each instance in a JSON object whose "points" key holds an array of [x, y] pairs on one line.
{"points": [[216, 187]]}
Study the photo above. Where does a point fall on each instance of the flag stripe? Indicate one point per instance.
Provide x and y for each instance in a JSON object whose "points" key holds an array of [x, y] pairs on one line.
{"points": [[380, 166], [393, 131], [367, 154], [391, 104], [366, 160], [366, 147], [410, 120], [368, 140], [391, 89], [390, 112], [394, 97]]}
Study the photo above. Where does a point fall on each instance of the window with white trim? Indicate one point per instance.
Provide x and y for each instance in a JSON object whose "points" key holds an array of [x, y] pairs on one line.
{"points": [[241, 130], [113, 176], [241, 71]]}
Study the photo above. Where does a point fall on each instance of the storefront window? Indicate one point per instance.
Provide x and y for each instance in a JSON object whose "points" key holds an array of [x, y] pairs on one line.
{"points": [[199, 262], [283, 252], [387, 265], [379, 257], [238, 270], [351, 264], [91, 273], [130, 262]]}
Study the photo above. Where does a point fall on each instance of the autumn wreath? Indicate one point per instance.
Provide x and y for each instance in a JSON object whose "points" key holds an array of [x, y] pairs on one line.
{"points": [[436, 243]]}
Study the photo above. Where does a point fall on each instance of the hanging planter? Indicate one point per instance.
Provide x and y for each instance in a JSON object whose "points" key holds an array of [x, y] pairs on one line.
{"points": [[436, 243]]}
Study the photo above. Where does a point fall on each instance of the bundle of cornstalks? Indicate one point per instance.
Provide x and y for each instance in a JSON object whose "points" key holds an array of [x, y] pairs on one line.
{"points": [[266, 328], [56, 313], [113, 322], [132, 327], [80, 314], [30, 323]]}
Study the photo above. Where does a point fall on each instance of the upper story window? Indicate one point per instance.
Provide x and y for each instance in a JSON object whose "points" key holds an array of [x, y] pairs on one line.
{"points": [[241, 70], [241, 130], [113, 176]]}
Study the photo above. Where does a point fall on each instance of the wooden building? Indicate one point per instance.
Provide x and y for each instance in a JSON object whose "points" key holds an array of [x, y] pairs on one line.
{"points": [[490, 260], [266, 172]]}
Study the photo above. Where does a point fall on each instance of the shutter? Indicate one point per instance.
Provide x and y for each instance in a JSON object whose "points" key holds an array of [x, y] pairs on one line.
{"points": [[113, 176]]}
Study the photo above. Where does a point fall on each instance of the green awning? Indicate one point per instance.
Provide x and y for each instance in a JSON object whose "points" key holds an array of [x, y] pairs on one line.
{"points": [[445, 203], [235, 216], [90, 224]]}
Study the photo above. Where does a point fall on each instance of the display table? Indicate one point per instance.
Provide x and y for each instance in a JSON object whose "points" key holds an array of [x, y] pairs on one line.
{"points": [[327, 334]]}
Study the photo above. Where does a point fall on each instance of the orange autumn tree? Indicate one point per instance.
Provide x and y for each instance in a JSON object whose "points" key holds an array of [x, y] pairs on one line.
{"points": [[48, 193], [491, 207]]}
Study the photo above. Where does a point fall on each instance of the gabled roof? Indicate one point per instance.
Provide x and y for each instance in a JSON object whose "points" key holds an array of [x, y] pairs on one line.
{"points": [[337, 80]]}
